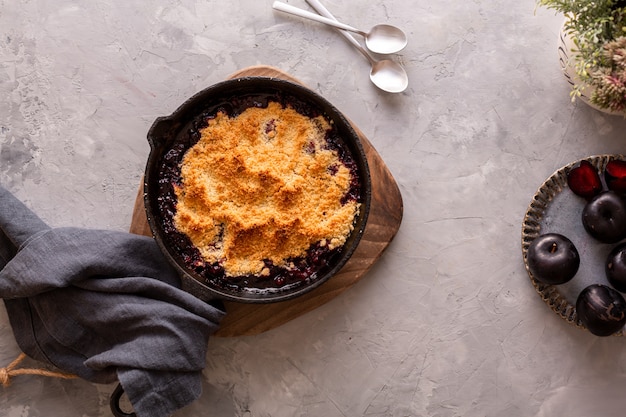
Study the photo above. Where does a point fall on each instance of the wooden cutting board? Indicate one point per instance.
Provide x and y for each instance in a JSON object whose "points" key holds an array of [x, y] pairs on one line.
{"points": [[383, 222]]}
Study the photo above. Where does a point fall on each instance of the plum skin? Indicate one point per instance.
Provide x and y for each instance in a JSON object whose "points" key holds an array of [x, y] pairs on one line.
{"points": [[604, 217], [553, 259], [601, 309], [615, 267]]}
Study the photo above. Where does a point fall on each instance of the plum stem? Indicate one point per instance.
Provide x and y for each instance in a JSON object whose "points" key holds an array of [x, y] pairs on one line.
{"points": [[553, 247]]}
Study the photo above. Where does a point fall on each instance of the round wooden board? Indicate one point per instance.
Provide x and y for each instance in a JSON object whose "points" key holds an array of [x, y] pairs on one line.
{"points": [[383, 223]]}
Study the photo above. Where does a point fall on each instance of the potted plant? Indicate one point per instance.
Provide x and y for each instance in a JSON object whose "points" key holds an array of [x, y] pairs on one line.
{"points": [[593, 50]]}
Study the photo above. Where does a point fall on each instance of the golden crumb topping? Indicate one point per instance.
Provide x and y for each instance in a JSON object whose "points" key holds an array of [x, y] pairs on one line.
{"points": [[263, 185]]}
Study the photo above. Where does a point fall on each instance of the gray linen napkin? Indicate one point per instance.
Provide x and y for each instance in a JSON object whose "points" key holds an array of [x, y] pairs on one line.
{"points": [[103, 305]]}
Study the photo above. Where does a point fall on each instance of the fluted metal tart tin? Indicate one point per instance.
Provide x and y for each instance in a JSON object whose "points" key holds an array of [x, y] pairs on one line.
{"points": [[555, 208]]}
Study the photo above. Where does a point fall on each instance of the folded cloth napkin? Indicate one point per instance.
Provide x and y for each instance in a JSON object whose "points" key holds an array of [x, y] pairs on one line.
{"points": [[103, 305]]}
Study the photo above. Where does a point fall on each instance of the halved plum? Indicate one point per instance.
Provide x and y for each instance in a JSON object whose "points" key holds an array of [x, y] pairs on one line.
{"points": [[615, 175], [584, 180]]}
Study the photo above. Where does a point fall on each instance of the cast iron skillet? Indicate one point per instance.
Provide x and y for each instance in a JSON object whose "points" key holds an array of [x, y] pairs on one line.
{"points": [[167, 130], [175, 128]]}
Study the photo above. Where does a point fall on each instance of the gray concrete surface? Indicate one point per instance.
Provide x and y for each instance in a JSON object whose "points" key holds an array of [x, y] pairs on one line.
{"points": [[447, 322]]}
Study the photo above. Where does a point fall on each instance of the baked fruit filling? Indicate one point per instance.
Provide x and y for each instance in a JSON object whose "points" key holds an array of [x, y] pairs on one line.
{"points": [[261, 196]]}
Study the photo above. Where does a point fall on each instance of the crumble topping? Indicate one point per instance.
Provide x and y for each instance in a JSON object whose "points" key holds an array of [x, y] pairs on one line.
{"points": [[260, 186]]}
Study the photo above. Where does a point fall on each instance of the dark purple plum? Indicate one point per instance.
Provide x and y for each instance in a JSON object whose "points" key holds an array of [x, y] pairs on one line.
{"points": [[553, 259], [601, 309], [615, 267], [604, 217]]}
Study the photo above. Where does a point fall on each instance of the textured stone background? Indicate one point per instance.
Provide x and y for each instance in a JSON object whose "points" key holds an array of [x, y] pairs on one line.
{"points": [[447, 323]]}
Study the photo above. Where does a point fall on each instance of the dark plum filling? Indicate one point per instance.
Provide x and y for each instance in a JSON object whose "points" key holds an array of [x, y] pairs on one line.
{"points": [[302, 269]]}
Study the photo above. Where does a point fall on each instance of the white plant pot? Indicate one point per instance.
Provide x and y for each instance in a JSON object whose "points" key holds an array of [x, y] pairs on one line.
{"points": [[568, 54]]}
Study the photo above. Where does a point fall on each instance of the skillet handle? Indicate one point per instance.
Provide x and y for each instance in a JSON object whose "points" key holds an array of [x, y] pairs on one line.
{"points": [[159, 132], [115, 403]]}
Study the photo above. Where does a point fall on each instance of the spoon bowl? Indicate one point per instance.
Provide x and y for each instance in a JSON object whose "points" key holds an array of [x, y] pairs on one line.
{"points": [[389, 76], [381, 39], [385, 39]]}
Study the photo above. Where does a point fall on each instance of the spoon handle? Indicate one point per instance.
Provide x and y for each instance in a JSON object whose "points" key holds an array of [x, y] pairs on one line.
{"points": [[321, 9], [287, 8]]}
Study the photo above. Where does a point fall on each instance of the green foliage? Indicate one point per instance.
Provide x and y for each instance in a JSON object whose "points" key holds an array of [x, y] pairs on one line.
{"points": [[594, 26], [610, 78]]}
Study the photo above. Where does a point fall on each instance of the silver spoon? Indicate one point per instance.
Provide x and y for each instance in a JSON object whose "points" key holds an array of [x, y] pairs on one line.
{"points": [[382, 39], [386, 74]]}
